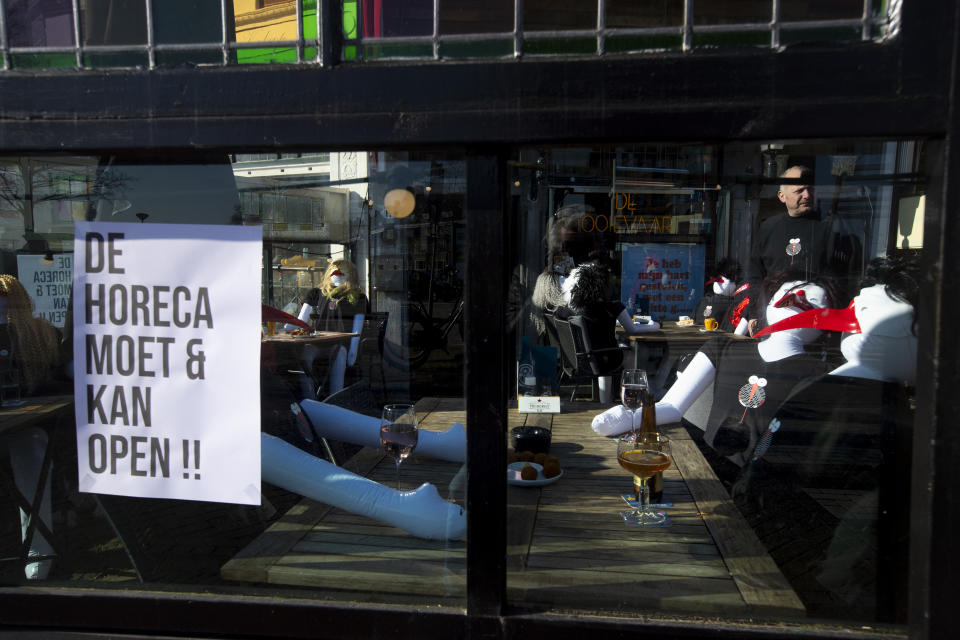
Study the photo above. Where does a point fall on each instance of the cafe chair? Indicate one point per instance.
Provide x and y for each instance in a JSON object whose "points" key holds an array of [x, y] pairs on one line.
{"points": [[580, 361]]}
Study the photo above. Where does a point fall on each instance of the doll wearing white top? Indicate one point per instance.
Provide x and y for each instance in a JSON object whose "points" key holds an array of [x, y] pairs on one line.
{"points": [[700, 373]]}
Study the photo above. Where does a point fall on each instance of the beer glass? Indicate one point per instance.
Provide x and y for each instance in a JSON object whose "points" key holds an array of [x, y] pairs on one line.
{"points": [[644, 455]]}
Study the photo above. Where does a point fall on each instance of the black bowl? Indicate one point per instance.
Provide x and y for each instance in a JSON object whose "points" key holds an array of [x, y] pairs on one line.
{"points": [[532, 439]]}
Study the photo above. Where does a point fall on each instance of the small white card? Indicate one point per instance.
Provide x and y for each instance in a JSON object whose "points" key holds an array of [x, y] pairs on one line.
{"points": [[538, 404]]}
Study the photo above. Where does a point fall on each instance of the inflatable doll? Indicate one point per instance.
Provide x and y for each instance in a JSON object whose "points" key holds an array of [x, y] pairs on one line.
{"points": [[750, 379], [339, 304], [566, 245], [718, 302], [586, 293], [28, 352], [421, 512], [854, 427]]}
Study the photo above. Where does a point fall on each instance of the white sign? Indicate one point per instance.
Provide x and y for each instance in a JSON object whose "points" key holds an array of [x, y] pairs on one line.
{"points": [[166, 360], [48, 284], [538, 404]]}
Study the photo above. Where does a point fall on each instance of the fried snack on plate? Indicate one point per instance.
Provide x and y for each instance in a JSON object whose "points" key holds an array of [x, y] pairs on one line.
{"points": [[551, 469]]}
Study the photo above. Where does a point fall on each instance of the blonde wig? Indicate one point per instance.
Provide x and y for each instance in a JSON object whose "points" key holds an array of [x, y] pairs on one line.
{"points": [[34, 341], [349, 271]]}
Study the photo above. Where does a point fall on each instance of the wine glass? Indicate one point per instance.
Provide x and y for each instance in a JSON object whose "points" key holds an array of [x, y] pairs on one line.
{"points": [[644, 455], [633, 386], [398, 432]]}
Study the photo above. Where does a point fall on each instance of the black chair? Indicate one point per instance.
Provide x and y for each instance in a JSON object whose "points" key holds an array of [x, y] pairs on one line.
{"points": [[580, 361]]}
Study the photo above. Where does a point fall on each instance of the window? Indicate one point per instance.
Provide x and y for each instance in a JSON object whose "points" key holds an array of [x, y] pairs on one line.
{"points": [[626, 254], [276, 150]]}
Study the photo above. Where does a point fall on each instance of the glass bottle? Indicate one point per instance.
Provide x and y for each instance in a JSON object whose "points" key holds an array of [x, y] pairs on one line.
{"points": [[648, 425]]}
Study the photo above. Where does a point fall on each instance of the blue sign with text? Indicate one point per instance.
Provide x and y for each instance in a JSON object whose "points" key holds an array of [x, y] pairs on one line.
{"points": [[662, 280]]}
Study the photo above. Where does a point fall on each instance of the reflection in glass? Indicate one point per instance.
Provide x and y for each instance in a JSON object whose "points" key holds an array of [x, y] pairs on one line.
{"points": [[381, 301], [48, 23], [682, 229], [273, 21]]}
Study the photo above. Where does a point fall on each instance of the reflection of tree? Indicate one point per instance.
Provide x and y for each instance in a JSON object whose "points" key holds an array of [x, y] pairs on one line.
{"points": [[20, 177]]}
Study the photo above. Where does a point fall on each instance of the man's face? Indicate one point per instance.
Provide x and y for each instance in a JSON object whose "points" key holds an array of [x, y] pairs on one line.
{"points": [[798, 198]]}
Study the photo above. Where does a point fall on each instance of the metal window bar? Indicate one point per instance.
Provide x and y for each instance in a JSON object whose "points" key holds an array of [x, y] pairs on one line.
{"points": [[78, 50], [871, 26], [151, 52], [299, 19], [435, 37], [517, 29], [224, 33], [775, 25], [601, 27], [3, 37], [321, 37]]}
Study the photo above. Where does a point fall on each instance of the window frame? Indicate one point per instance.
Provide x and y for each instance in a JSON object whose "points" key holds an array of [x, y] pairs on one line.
{"points": [[904, 88]]}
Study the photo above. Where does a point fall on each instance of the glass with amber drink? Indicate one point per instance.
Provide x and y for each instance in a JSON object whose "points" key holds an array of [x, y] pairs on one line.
{"points": [[643, 455]]}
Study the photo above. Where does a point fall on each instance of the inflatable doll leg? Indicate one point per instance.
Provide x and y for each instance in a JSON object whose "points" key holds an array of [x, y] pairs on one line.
{"points": [[422, 512], [338, 368], [342, 424], [605, 385]]}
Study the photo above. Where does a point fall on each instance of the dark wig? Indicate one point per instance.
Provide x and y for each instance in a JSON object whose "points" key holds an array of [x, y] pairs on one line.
{"points": [[590, 286], [900, 273]]}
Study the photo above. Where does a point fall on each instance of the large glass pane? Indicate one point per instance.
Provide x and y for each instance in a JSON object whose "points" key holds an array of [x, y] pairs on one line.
{"points": [[273, 21], [625, 14], [188, 22], [141, 448], [114, 22], [476, 16], [773, 425], [40, 24]]}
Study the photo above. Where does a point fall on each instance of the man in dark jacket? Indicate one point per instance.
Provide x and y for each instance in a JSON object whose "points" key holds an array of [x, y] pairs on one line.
{"points": [[796, 240]]}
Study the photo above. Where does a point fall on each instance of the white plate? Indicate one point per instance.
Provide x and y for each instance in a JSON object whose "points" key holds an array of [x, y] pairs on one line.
{"points": [[513, 475]]}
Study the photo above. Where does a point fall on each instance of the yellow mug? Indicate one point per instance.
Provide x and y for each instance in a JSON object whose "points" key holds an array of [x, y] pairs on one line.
{"points": [[711, 324]]}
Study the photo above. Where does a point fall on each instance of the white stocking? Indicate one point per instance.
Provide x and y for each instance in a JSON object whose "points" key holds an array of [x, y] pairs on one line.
{"points": [[342, 424], [694, 380], [605, 386]]}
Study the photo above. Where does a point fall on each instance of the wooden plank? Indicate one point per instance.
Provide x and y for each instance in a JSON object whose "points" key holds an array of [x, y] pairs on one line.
{"points": [[33, 410], [636, 591], [253, 562], [757, 576]]}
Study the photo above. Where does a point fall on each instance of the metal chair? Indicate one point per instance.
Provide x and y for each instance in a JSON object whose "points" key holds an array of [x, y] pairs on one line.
{"points": [[580, 362]]}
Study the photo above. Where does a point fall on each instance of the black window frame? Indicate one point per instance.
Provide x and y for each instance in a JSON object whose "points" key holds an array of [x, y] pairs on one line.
{"points": [[904, 88]]}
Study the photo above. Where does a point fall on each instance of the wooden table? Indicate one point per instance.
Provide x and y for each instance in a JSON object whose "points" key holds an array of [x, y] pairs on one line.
{"points": [[317, 337], [568, 546], [32, 411], [284, 351]]}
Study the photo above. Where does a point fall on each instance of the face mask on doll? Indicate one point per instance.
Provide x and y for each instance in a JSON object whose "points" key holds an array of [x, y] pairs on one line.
{"points": [[338, 279], [723, 286], [793, 298]]}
